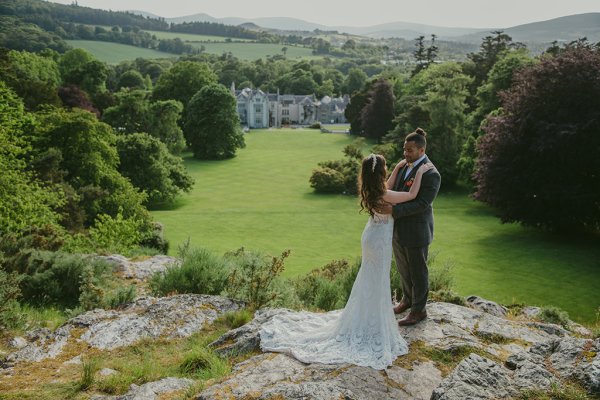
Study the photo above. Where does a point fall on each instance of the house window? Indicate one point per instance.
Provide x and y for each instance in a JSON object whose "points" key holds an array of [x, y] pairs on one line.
{"points": [[258, 121], [258, 108], [285, 112]]}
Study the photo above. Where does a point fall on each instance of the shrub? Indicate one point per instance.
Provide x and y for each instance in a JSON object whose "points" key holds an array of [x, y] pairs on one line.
{"points": [[108, 235], [154, 238], [315, 125], [554, 315], [339, 176], [253, 277], [327, 180], [201, 272], [327, 288], [9, 293], [56, 278], [120, 296], [234, 319]]}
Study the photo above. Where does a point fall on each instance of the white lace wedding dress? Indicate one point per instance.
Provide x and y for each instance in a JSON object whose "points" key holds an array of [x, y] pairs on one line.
{"points": [[365, 332]]}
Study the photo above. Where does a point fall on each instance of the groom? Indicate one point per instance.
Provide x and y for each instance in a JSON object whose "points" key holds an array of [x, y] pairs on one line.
{"points": [[413, 229]]}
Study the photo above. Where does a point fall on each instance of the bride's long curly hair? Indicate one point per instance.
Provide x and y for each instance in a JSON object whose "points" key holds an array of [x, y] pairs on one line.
{"points": [[371, 183]]}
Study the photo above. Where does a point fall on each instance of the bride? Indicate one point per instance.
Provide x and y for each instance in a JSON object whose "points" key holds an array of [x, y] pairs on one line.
{"points": [[365, 332]]}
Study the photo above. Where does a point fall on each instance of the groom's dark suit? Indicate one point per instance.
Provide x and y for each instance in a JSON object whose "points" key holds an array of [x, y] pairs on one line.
{"points": [[413, 232]]}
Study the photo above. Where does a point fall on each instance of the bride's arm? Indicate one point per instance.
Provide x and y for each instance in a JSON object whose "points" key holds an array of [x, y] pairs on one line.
{"points": [[402, 197], [392, 179]]}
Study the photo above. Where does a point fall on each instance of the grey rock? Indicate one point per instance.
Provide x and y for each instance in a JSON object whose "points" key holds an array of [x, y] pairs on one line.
{"points": [[578, 359], [418, 382], [487, 306], [75, 360], [107, 372], [42, 343], [531, 312], [147, 317], [143, 269], [151, 390], [18, 342], [475, 377], [245, 338], [279, 376]]}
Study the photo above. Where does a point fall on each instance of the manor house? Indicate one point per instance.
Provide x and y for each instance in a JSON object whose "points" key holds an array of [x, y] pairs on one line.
{"points": [[258, 109]]}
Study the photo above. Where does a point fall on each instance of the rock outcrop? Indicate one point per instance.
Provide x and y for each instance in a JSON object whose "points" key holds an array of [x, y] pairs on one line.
{"points": [[458, 352], [147, 317]]}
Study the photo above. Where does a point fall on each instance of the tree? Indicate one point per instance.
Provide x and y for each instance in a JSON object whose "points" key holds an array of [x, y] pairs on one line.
{"points": [[147, 163], [182, 81], [377, 115], [25, 202], [538, 160], [131, 79], [72, 96], [420, 54], [353, 111], [135, 113], [34, 77], [436, 100], [88, 161], [499, 79], [483, 61], [212, 124], [355, 80]]}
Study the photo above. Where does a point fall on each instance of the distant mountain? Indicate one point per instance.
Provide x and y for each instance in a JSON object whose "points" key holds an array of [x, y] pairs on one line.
{"points": [[562, 29], [566, 28], [406, 30]]}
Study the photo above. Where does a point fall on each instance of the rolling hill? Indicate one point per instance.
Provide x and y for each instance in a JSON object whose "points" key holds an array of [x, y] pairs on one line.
{"points": [[562, 29]]}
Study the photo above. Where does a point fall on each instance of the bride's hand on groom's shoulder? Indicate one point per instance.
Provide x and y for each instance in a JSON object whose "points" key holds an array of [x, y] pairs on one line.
{"points": [[426, 167]]}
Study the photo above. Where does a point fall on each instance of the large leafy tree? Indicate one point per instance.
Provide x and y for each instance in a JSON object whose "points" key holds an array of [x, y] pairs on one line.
{"points": [[499, 78], [377, 116], [182, 81], [34, 77], [134, 112], [86, 159], [538, 161], [25, 202], [435, 99], [146, 161], [355, 80], [212, 124]]}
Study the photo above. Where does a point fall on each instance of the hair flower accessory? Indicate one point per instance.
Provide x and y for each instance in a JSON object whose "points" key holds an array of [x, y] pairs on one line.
{"points": [[374, 158]]}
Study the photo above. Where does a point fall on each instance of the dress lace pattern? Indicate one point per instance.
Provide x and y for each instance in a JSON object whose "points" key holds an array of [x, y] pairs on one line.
{"points": [[365, 332]]}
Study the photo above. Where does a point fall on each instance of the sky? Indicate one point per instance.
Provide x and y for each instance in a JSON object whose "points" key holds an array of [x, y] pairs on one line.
{"points": [[449, 13]]}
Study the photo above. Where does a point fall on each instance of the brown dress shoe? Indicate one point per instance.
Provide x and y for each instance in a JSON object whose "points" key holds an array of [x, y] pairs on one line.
{"points": [[401, 307], [413, 318]]}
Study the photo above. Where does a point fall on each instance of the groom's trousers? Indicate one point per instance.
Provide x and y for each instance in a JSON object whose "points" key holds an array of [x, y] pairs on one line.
{"points": [[412, 266]]}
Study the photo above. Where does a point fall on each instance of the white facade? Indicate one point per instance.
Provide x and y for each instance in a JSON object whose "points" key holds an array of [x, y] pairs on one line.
{"points": [[258, 109]]}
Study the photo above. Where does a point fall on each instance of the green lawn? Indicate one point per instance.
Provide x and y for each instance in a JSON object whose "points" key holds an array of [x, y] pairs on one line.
{"points": [[114, 53], [262, 200]]}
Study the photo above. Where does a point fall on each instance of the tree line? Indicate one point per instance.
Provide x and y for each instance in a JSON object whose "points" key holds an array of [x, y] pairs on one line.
{"points": [[500, 122]]}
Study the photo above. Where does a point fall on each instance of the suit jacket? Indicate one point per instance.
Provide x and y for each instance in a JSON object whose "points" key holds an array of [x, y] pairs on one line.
{"points": [[413, 226]]}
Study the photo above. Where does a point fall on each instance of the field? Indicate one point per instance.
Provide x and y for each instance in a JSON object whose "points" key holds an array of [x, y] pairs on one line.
{"points": [[114, 53], [254, 51], [262, 200], [191, 37]]}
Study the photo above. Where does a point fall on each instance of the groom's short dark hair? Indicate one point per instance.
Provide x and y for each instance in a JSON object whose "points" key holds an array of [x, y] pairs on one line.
{"points": [[418, 136]]}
